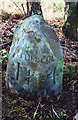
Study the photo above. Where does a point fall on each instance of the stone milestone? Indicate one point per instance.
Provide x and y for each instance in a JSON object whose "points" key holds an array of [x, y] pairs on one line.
{"points": [[35, 63]]}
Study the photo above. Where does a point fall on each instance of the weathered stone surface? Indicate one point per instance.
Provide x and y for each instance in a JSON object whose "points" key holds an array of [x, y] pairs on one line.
{"points": [[35, 63]]}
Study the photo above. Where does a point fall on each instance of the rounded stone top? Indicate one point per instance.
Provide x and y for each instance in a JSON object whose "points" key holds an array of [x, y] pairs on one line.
{"points": [[39, 27]]}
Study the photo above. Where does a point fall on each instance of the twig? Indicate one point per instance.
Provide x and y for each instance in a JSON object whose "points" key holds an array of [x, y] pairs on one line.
{"points": [[10, 30], [7, 35], [23, 9], [76, 117], [8, 18], [4, 44], [24, 102], [65, 45], [36, 110], [55, 112], [69, 51], [17, 6]]}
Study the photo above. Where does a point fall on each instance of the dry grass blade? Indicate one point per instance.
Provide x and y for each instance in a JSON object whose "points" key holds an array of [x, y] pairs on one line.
{"points": [[17, 6]]}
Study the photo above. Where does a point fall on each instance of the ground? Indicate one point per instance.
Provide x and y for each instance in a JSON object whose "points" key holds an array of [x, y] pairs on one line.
{"points": [[65, 106]]}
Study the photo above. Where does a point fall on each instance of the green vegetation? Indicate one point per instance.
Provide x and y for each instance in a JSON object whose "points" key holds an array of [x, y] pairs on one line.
{"points": [[70, 71]]}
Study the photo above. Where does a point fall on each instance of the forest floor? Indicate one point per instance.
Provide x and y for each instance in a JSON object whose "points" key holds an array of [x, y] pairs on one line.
{"points": [[65, 106]]}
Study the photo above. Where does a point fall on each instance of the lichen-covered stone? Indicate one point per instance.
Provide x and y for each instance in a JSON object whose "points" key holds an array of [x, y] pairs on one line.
{"points": [[35, 63]]}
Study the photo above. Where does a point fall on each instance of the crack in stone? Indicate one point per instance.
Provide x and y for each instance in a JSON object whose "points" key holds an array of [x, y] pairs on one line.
{"points": [[18, 71]]}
